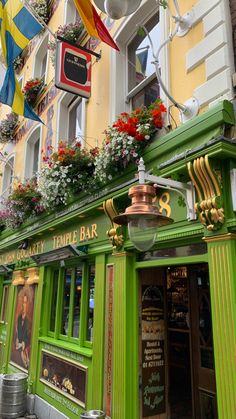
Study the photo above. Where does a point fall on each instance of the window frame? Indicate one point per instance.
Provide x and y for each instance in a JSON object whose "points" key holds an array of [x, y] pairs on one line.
{"points": [[39, 57], [30, 151], [119, 93], [70, 12], [81, 341], [65, 104], [8, 173]]}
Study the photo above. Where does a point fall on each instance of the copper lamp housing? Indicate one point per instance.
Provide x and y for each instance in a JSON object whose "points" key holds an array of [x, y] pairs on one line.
{"points": [[142, 197]]}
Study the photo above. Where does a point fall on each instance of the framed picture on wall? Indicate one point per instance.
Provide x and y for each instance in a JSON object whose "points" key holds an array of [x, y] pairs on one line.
{"points": [[67, 377], [22, 327]]}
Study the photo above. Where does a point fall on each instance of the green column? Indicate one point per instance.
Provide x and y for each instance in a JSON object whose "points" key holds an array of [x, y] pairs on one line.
{"points": [[222, 266], [98, 334], [125, 340]]}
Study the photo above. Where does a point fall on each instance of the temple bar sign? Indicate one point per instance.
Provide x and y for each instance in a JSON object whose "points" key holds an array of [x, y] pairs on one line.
{"points": [[83, 234]]}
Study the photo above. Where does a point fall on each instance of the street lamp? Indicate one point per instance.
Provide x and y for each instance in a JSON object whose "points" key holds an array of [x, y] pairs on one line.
{"points": [[117, 8], [142, 217]]}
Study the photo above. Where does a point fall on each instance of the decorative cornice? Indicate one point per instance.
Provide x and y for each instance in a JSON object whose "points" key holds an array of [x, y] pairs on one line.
{"points": [[18, 278], [32, 276], [221, 237], [209, 206], [114, 233]]}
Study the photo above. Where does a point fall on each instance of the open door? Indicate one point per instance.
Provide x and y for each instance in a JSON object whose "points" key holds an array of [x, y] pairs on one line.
{"points": [[202, 343]]}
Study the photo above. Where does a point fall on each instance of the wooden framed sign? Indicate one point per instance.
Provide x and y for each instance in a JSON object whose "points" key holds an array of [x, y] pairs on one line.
{"points": [[73, 69], [67, 377]]}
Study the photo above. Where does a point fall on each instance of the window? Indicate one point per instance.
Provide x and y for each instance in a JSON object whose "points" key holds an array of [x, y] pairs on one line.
{"points": [[41, 60], [133, 79], [8, 177], [143, 87], [72, 303], [32, 154], [71, 14], [71, 118]]}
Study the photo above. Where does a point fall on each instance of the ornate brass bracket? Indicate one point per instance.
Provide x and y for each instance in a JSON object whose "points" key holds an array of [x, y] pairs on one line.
{"points": [[114, 235], [209, 205]]}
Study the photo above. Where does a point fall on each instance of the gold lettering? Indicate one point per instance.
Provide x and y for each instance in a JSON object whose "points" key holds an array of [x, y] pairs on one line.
{"points": [[164, 204], [82, 234], [94, 230], [54, 242], [88, 233], [67, 238], [74, 240]]}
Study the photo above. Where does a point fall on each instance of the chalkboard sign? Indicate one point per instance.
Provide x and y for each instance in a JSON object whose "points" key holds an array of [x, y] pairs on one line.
{"points": [[66, 377], [153, 356]]}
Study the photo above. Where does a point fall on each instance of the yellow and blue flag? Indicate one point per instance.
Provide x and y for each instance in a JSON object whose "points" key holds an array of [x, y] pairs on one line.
{"points": [[17, 27]]}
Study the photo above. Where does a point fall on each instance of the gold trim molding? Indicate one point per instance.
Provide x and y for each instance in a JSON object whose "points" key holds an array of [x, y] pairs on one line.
{"points": [[209, 205], [114, 234], [221, 237], [18, 278], [32, 275]]}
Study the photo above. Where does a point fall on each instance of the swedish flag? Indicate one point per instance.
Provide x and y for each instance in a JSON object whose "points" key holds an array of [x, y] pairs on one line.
{"points": [[17, 28]]}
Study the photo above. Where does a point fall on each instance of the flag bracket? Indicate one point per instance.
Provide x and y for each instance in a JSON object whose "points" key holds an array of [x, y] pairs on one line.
{"points": [[98, 56]]}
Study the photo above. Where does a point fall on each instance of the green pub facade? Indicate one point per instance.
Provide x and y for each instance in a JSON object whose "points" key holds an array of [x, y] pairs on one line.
{"points": [[98, 325]]}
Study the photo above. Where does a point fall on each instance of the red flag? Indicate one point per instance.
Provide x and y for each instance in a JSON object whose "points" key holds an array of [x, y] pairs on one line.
{"points": [[93, 23]]}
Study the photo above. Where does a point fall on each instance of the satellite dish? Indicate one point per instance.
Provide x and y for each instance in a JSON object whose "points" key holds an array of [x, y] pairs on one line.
{"points": [[117, 8]]}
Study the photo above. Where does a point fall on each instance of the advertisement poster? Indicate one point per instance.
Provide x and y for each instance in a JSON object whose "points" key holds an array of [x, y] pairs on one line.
{"points": [[23, 321], [153, 357], [68, 378]]}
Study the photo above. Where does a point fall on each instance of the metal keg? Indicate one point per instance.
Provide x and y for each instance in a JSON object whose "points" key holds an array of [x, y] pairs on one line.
{"points": [[93, 414], [13, 390]]}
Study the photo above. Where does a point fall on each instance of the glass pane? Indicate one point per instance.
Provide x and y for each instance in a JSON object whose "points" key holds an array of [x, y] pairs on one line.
{"points": [[147, 95], [181, 251], [77, 300], [205, 324], [75, 122], [54, 300], [91, 283], [140, 56], [43, 68], [4, 303], [177, 298], [208, 406], [36, 156], [66, 302]]}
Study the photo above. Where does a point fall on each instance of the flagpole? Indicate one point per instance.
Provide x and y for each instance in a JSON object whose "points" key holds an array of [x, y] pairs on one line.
{"points": [[36, 15]]}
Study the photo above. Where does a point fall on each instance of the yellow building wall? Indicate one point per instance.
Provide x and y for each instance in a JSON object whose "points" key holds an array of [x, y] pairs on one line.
{"points": [[182, 84]]}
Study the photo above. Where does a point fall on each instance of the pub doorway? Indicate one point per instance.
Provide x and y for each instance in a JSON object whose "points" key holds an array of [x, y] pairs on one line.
{"points": [[176, 346]]}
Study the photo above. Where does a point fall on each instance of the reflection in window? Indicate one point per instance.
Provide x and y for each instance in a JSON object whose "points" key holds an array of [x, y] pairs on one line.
{"points": [[77, 299], [8, 177], [66, 302], [205, 324], [4, 303], [54, 300], [75, 121], [91, 280], [141, 71]]}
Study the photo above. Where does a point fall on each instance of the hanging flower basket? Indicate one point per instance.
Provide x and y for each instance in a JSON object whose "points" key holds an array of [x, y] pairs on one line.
{"points": [[42, 8], [8, 127], [127, 138], [67, 171], [18, 63], [23, 202], [32, 89], [72, 32]]}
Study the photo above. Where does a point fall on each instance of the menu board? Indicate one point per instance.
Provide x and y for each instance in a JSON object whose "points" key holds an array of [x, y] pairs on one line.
{"points": [[153, 356]]}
